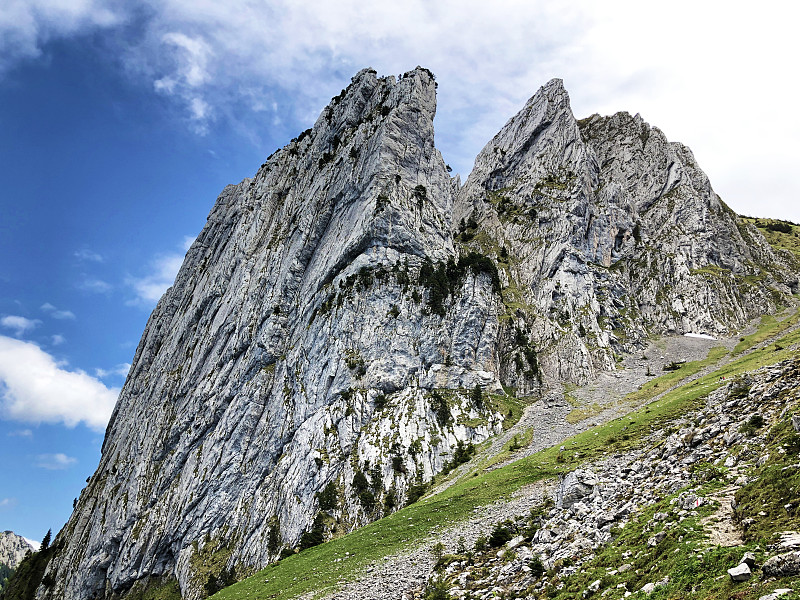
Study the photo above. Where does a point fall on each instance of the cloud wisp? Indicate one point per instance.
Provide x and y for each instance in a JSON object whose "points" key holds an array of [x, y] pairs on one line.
{"points": [[19, 325], [120, 370], [55, 462], [34, 388], [86, 255], [94, 285], [21, 433], [56, 313], [149, 288]]}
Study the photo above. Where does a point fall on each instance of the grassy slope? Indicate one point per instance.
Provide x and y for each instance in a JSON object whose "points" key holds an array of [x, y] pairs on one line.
{"points": [[317, 569], [778, 239]]}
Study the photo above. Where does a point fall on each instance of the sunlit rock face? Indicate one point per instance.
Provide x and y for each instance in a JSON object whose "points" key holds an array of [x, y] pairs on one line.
{"points": [[337, 330]]}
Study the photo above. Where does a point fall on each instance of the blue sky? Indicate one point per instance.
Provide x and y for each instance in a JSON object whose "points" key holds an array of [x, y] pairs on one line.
{"points": [[120, 123]]}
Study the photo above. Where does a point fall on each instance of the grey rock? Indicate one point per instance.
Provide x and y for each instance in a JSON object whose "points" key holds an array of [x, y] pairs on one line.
{"points": [[690, 501], [776, 594], [740, 572], [796, 422], [748, 559], [790, 539], [13, 549], [782, 565], [593, 587], [575, 486]]}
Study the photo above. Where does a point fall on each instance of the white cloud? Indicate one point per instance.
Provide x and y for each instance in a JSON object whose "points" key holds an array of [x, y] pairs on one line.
{"points": [[151, 287], [57, 314], [163, 269], [20, 325], [25, 25], [88, 256], [8, 503], [96, 286], [57, 339], [23, 433], [35, 388], [120, 370], [55, 462], [35, 545]]}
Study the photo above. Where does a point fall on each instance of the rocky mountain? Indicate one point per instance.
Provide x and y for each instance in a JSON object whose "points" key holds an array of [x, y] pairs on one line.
{"points": [[351, 319], [13, 549]]}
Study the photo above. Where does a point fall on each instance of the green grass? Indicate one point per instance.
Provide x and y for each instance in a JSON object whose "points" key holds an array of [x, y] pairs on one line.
{"points": [[773, 485], [576, 415], [768, 327], [317, 570], [778, 239], [507, 405], [663, 382]]}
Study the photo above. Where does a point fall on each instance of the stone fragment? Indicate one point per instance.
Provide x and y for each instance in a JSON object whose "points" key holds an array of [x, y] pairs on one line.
{"points": [[592, 588], [790, 539], [740, 572], [514, 542], [776, 594], [748, 559]]}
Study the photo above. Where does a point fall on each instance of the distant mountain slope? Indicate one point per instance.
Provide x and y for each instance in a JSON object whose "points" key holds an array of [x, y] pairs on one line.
{"points": [[13, 549], [351, 319]]}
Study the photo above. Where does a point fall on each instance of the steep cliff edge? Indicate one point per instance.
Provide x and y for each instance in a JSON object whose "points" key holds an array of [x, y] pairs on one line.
{"points": [[336, 331]]}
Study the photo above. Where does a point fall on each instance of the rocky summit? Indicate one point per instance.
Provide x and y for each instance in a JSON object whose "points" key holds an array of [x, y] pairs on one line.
{"points": [[352, 321], [13, 549]]}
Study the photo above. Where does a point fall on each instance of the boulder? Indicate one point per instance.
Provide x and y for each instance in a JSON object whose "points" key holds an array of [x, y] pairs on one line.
{"points": [[574, 487], [776, 594], [748, 559], [782, 565], [740, 572]]}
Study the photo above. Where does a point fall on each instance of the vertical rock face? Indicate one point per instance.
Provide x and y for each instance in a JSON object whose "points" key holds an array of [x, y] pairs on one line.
{"points": [[318, 353], [291, 354]]}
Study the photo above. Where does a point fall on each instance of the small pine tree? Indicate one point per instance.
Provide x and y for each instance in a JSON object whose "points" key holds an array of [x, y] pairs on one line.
{"points": [[46, 540], [437, 551], [328, 497]]}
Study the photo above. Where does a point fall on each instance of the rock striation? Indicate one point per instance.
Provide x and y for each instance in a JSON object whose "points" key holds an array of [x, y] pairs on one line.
{"points": [[343, 326], [604, 231]]}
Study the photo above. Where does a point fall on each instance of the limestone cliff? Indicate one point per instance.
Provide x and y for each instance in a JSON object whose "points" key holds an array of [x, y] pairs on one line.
{"points": [[342, 326]]}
